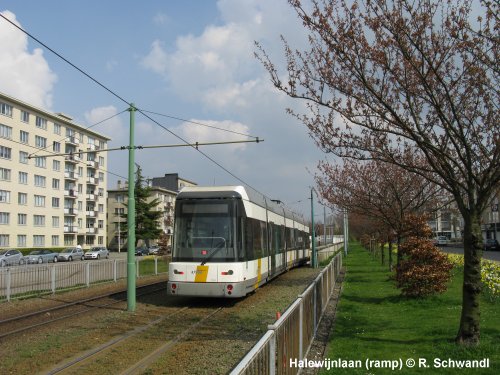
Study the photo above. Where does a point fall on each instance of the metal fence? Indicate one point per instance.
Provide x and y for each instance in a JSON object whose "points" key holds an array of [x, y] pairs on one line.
{"points": [[288, 340], [29, 280]]}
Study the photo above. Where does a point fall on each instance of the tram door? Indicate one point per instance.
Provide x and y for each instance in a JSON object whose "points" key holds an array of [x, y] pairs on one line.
{"points": [[272, 249]]}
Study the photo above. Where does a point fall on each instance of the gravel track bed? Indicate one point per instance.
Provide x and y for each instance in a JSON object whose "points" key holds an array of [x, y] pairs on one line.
{"points": [[213, 347]]}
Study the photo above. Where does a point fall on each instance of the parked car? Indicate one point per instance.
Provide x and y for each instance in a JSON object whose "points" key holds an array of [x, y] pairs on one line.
{"points": [[441, 241], [153, 250], [97, 253], [491, 244], [70, 254], [10, 257], [39, 257], [141, 251]]}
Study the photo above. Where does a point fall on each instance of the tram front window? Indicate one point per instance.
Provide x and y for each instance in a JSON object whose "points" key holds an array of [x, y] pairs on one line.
{"points": [[204, 231]]}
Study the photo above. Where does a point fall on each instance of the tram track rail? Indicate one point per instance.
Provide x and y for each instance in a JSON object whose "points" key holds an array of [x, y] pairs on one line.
{"points": [[44, 316], [150, 358]]}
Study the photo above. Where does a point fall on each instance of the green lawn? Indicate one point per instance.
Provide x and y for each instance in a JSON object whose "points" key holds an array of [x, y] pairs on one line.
{"points": [[375, 322]]}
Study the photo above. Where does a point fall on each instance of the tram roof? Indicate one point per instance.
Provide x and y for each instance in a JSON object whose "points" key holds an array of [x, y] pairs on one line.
{"points": [[238, 191]]}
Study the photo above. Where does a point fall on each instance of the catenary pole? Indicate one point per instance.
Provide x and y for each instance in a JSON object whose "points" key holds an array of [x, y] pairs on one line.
{"points": [[131, 271], [313, 236]]}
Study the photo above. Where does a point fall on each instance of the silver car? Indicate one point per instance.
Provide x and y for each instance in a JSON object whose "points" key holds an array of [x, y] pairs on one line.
{"points": [[70, 254], [97, 253], [10, 257], [39, 257]]}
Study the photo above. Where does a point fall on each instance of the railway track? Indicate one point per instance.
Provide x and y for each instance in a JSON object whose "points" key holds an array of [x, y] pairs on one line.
{"points": [[90, 356], [39, 318]]}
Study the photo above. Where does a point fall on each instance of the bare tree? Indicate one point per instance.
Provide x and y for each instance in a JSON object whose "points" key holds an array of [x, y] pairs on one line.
{"points": [[385, 76], [382, 191]]}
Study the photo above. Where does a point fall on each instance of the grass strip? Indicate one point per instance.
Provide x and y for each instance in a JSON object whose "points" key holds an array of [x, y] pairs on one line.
{"points": [[374, 322]]}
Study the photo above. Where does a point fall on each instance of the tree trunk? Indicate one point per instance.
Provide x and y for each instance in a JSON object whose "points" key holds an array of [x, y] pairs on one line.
{"points": [[468, 332], [390, 255], [382, 252]]}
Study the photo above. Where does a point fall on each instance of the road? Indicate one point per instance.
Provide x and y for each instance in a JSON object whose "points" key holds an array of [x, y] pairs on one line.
{"points": [[491, 255]]}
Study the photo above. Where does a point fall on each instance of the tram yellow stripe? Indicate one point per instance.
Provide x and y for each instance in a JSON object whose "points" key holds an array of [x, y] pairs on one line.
{"points": [[201, 274], [259, 273]]}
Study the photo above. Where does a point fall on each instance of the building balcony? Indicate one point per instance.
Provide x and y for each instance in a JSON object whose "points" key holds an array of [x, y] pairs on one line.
{"points": [[92, 164], [70, 175], [91, 230], [72, 158], [92, 147], [70, 193], [92, 197], [73, 140], [70, 229], [92, 180], [91, 213], [70, 212]]}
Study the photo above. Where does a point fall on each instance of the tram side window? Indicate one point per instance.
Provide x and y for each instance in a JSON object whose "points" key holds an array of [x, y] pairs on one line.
{"points": [[258, 239], [249, 239], [263, 231]]}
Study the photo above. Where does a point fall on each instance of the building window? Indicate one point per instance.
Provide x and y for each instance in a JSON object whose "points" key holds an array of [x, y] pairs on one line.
{"points": [[6, 109], [55, 221], [22, 219], [5, 174], [25, 116], [22, 199], [24, 137], [23, 178], [39, 201], [55, 240], [57, 129], [39, 220], [56, 184], [101, 177], [4, 240], [56, 165], [56, 146], [100, 224], [101, 161], [100, 240], [41, 162], [5, 131], [101, 208], [4, 217], [40, 181], [38, 240], [5, 152], [40, 142], [21, 240], [4, 196], [23, 157], [55, 202], [41, 122]]}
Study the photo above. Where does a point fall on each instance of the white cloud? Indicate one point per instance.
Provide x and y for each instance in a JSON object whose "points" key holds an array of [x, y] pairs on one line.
{"points": [[197, 133], [23, 74]]}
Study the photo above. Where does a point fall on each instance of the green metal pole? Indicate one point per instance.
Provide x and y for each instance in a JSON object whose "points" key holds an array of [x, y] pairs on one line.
{"points": [[313, 255], [131, 272]]}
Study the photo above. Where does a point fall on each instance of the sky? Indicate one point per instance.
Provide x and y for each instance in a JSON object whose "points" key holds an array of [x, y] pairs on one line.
{"points": [[192, 60]]}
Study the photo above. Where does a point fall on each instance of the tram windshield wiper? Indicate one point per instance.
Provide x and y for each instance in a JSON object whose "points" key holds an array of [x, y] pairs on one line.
{"points": [[214, 250]]}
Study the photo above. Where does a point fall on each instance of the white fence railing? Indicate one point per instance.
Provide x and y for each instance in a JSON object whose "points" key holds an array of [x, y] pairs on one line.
{"points": [[288, 340], [27, 280]]}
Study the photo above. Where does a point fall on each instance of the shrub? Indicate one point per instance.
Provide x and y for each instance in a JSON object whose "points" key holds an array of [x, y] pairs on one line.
{"points": [[423, 270]]}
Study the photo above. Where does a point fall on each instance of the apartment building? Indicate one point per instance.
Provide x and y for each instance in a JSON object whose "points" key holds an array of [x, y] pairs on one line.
{"points": [[117, 200], [48, 199]]}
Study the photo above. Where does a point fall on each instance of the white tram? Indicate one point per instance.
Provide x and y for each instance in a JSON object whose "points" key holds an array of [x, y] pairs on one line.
{"points": [[228, 241]]}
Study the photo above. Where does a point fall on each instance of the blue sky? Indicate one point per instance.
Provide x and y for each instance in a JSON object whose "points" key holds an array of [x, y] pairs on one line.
{"points": [[189, 59]]}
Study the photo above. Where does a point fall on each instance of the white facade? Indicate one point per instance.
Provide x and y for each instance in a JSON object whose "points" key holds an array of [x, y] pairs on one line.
{"points": [[47, 200]]}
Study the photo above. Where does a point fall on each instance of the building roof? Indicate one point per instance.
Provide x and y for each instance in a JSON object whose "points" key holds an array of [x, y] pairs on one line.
{"points": [[59, 118]]}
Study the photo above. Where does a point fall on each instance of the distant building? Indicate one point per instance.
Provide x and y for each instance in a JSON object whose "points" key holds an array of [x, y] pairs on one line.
{"points": [[491, 219], [45, 200], [117, 200], [171, 181]]}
